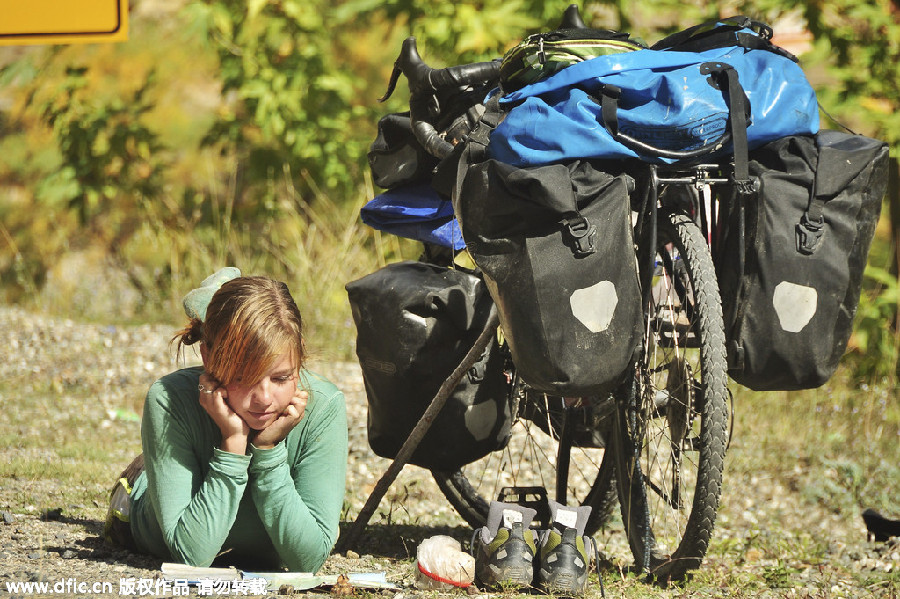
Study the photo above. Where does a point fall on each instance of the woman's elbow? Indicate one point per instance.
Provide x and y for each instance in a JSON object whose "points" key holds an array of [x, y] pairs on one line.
{"points": [[191, 556], [312, 559]]}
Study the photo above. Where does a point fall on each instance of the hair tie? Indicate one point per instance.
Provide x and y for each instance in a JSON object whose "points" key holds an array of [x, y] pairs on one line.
{"points": [[197, 300]]}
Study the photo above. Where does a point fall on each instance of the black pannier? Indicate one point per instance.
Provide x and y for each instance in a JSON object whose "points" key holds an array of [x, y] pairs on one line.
{"points": [[415, 322], [789, 303], [395, 157], [556, 251]]}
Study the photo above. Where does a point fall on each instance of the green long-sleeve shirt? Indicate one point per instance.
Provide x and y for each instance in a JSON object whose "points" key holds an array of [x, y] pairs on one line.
{"points": [[280, 505]]}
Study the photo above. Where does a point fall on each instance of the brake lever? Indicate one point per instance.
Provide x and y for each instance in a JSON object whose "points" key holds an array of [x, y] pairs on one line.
{"points": [[392, 82]]}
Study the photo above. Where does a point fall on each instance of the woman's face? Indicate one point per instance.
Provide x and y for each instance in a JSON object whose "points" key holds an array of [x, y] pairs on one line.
{"points": [[259, 405]]}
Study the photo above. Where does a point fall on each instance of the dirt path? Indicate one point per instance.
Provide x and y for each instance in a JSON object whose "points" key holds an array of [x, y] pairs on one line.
{"points": [[769, 541]]}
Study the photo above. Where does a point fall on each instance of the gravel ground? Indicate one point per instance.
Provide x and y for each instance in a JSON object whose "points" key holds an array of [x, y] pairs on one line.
{"points": [[43, 540]]}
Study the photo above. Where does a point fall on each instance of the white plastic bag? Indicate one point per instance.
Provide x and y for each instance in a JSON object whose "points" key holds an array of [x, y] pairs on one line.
{"points": [[442, 564]]}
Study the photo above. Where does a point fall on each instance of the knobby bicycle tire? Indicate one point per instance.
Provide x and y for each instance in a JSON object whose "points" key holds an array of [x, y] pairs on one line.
{"points": [[670, 431]]}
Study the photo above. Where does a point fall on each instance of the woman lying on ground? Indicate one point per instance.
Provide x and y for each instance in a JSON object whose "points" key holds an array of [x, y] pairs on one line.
{"points": [[245, 456]]}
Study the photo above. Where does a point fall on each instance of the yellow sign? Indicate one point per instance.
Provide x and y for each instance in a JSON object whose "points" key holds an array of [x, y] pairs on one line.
{"points": [[62, 21]]}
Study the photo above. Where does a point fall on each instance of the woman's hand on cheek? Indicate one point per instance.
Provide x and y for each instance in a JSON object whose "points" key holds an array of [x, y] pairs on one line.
{"points": [[214, 399], [284, 424]]}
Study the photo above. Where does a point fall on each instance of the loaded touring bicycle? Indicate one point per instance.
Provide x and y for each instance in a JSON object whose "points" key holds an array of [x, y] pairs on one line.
{"points": [[629, 256]]}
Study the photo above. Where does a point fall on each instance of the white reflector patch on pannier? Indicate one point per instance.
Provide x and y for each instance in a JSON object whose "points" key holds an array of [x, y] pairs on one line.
{"points": [[795, 305], [415, 318], [594, 305], [481, 418]]}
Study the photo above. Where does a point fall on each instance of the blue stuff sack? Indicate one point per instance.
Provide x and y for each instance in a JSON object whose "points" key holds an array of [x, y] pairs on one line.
{"points": [[666, 99], [414, 211]]}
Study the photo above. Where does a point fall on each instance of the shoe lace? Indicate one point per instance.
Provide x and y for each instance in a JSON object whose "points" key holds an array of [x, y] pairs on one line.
{"points": [[596, 552], [472, 542]]}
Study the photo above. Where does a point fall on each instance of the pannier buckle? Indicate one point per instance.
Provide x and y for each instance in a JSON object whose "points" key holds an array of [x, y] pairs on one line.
{"points": [[809, 234], [478, 369], [583, 234]]}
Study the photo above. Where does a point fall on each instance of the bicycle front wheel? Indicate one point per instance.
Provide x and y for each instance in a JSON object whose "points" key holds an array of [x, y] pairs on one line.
{"points": [[670, 431]]}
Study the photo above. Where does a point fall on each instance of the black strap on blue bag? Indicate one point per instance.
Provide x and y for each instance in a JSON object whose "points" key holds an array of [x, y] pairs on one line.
{"points": [[738, 115], [480, 136], [722, 76]]}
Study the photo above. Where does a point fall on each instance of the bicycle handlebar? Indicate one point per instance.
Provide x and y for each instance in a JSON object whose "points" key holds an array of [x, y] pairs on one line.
{"points": [[424, 84], [572, 18]]}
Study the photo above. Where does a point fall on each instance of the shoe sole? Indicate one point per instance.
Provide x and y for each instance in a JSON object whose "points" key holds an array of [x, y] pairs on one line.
{"points": [[564, 584], [521, 577]]}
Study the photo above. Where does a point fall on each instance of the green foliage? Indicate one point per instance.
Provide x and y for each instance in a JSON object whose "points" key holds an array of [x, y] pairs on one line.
{"points": [[459, 32], [287, 100], [453, 33], [109, 157], [875, 350], [780, 575]]}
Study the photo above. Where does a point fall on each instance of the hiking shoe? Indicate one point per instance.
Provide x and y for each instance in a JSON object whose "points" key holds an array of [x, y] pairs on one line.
{"points": [[564, 554], [504, 549]]}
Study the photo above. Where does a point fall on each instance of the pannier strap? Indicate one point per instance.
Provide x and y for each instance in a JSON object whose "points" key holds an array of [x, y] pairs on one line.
{"points": [[582, 235], [811, 228], [480, 136], [810, 231]]}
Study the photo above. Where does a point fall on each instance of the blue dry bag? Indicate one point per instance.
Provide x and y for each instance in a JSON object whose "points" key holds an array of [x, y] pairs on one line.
{"points": [[659, 105]]}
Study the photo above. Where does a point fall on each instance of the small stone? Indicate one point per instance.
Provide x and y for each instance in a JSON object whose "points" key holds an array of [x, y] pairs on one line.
{"points": [[352, 554], [69, 554], [286, 589], [35, 555], [8, 518]]}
